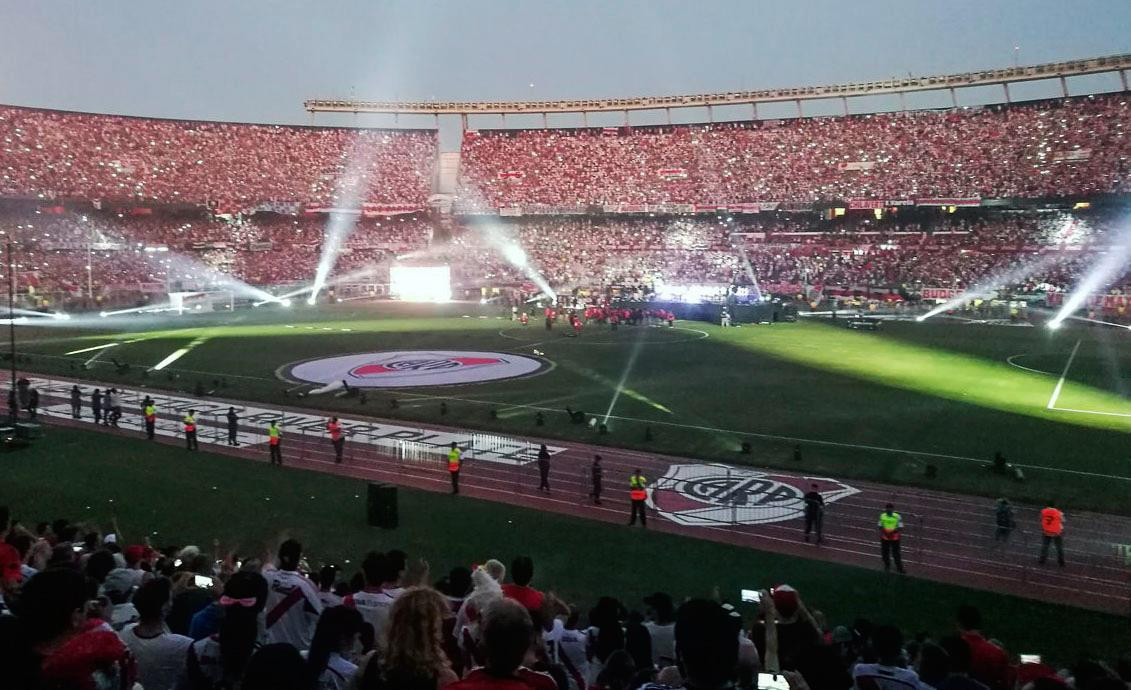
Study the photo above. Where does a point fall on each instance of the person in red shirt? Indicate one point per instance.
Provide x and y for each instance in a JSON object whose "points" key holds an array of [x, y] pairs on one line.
{"points": [[989, 664], [522, 572], [508, 635], [335, 428]]}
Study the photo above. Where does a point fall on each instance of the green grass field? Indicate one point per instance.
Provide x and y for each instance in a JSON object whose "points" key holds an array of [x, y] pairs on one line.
{"points": [[175, 499], [878, 406]]}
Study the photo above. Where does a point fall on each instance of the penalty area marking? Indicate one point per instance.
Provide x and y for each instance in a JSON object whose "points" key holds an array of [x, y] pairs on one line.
{"points": [[1063, 375], [1010, 362], [1060, 384]]}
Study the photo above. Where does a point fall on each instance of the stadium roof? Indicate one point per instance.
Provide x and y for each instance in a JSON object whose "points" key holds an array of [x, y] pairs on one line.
{"points": [[1003, 76]]}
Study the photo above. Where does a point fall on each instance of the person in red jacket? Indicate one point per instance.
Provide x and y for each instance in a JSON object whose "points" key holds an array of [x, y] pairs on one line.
{"points": [[989, 663]]}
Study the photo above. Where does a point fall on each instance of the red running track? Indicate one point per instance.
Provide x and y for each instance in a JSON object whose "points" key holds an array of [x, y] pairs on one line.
{"points": [[947, 537]]}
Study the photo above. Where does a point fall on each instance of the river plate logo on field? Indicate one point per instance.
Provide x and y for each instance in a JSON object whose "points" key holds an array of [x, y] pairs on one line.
{"points": [[410, 368], [703, 495]]}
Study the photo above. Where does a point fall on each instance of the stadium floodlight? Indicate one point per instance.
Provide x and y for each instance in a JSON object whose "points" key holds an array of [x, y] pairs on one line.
{"points": [[1110, 266], [1055, 324]]}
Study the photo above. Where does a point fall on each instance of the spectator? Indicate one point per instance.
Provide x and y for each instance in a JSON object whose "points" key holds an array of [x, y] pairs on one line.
{"points": [[337, 640], [508, 632], [189, 597], [797, 632], [661, 628], [376, 599], [618, 673], [76, 648], [219, 660], [706, 645], [160, 654], [522, 572], [293, 605], [989, 663], [118, 588], [327, 578], [958, 659], [414, 658], [890, 672], [275, 667]]}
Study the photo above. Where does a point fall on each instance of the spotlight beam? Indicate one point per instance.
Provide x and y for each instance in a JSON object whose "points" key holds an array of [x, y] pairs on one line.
{"points": [[988, 285], [1112, 263]]}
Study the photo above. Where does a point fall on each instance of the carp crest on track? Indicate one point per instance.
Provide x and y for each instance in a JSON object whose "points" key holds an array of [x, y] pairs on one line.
{"points": [[712, 494]]}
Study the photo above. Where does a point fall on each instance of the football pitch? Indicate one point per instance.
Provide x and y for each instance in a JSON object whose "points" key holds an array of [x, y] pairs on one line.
{"points": [[880, 405]]}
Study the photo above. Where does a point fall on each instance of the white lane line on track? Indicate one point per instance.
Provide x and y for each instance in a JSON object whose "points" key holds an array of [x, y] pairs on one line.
{"points": [[1063, 375]]}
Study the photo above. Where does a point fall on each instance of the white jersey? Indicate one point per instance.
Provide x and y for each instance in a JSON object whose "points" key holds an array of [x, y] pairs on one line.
{"points": [[338, 674], [881, 677], [293, 607], [160, 659], [572, 655], [374, 606]]}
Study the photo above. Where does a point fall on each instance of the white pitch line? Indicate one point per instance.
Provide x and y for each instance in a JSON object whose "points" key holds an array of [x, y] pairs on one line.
{"points": [[1010, 362], [1063, 375], [1109, 414]]}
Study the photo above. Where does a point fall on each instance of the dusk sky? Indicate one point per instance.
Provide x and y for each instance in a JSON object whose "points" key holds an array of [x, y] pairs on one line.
{"points": [[254, 60]]}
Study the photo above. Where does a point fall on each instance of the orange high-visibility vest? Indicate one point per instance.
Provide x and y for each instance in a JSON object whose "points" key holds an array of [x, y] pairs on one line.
{"points": [[453, 460], [1052, 522], [335, 430], [637, 487]]}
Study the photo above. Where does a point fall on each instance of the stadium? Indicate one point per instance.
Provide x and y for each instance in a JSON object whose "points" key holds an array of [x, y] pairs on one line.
{"points": [[392, 387]]}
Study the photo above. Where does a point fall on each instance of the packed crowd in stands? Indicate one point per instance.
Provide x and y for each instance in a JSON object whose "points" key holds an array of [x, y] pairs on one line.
{"points": [[1076, 146], [783, 251], [234, 167], [82, 610]]}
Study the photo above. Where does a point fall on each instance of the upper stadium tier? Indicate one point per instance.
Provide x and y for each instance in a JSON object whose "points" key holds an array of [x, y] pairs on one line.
{"points": [[50, 154], [1065, 147]]}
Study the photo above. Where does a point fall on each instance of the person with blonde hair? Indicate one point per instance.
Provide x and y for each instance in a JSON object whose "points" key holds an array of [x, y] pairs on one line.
{"points": [[413, 657]]}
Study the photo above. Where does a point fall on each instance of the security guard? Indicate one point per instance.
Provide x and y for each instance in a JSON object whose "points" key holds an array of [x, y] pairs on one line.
{"points": [[190, 430], [1052, 532], [233, 427], [273, 439], [597, 474], [891, 525], [454, 456], [638, 492], [335, 428], [150, 412]]}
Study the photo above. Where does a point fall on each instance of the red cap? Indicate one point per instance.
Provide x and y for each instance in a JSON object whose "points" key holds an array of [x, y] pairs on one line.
{"points": [[785, 599], [10, 563]]}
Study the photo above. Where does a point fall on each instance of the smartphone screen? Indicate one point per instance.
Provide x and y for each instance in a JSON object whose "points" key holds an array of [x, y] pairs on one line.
{"points": [[1030, 658], [770, 681], [202, 581], [751, 595]]}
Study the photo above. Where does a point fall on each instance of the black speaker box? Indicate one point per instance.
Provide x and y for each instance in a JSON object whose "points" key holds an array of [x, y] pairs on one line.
{"points": [[381, 506]]}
